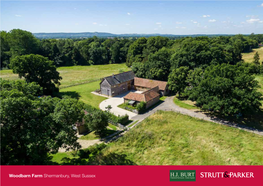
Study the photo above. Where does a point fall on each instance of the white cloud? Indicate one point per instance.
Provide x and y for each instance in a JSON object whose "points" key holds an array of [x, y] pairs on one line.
{"points": [[228, 22], [261, 5], [177, 22], [205, 26], [252, 20], [100, 24], [127, 24], [94, 23], [180, 27], [195, 22], [76, 23], [252, 16], [18, 15], [128, 13], [212, 20], [158, 23], [206, 16]]}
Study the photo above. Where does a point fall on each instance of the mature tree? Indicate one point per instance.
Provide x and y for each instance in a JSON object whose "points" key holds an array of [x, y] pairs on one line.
{"points": [[156, 43], [36, 68], [204, 51], [96, 121], [4, 50], [22, 42], [194, 52], [139, 69], [98, 54], [12, 88], [177, 80], [135, 53], [227, 89], [194, 77], [33, 127], [115, 53], [256, 59], [158, 65]]}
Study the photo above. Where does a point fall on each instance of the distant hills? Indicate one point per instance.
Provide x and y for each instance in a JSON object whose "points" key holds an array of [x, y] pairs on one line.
{"points": [[109, 35]]}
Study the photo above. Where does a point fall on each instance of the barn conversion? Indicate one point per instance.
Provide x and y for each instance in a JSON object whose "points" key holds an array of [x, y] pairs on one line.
{"points": [[123, 82], [117, 84]]}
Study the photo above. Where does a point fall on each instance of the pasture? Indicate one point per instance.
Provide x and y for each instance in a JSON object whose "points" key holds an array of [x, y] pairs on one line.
{"points": [[168, 138], [75, 75], [249, 57]]}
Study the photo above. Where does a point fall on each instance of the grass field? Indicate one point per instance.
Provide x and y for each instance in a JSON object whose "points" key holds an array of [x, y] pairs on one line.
{"points": [[168, 138], [187, 104], [83, 92], [93, 136], [249, 57], [78, 74]]}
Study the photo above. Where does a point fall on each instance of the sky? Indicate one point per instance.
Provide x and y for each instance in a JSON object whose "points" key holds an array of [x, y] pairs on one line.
{"points": [[142, 17]]}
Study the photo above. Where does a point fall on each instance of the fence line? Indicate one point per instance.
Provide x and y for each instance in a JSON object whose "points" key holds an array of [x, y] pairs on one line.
{"points": [[86, 82]]}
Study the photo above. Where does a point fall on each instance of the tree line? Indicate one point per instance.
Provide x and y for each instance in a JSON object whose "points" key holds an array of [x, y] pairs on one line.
{"points": [[92, 51], [63, 52], [158, 59]]}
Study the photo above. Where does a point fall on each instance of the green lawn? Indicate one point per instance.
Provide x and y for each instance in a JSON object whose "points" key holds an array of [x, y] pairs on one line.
{"points": [[169, 138], [163, 98], [78, 74], [93, 136], [187, 104], [126, 105], [83, 92], [59, 156], [249, 57], [81, 157], [113, 127]]}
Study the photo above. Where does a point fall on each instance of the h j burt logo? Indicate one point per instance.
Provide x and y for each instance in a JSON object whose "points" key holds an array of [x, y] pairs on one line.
{"points": [[182, 175]]}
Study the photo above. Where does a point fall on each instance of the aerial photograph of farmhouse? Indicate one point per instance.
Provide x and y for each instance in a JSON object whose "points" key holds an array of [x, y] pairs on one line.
{"points": [[131, 83]]}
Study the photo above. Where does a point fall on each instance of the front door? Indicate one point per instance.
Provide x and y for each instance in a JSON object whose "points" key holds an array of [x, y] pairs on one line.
{"points": [[108, 92]]}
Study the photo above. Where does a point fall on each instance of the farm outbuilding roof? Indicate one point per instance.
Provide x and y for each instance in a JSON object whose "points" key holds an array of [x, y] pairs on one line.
{"points": [[120, 78], [149, 83]]}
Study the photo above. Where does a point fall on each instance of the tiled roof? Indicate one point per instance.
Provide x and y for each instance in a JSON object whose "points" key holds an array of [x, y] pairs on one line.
{"points": [[151, 94], [149, 83], [116, 79], [145, 96], [135, 96]]}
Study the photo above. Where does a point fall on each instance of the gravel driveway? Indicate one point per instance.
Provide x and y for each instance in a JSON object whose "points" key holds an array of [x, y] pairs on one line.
{"points": [[114, 102]]}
